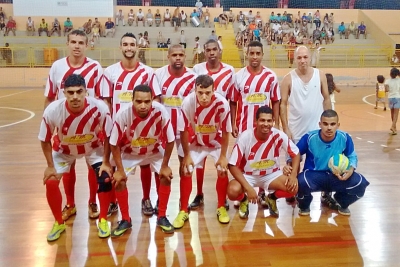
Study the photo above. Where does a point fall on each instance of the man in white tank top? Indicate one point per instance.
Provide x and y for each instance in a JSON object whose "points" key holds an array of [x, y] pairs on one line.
{"points": [[304, 96]]}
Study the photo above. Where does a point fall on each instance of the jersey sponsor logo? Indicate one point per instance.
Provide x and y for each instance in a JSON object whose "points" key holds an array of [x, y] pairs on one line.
{"points": [[257, 98], [206, 129], [125, 97], [78, 139], [62, 164], [172, 101], [263, 164], [164, 90], [246, 89], [143, 142]]}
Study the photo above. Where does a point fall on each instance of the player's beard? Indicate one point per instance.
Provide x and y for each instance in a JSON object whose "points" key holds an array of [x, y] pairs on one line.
{"points": [[130, 57]]}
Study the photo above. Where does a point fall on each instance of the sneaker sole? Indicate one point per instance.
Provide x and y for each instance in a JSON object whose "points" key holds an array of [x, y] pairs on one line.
{"points": [[66, 218], [113, 234], [344, 213], [167, 231], [58, 236], [148, 213], [195, 207], [222, 221]]}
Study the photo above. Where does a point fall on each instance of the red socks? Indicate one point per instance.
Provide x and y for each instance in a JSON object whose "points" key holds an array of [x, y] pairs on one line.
{"points": [[113, 198], [122, 197], [281, 194], [93, 185], [221, 186], [53, 195], [199, 180], [69, 180], [185, 190], [163, 198], [104, 199], [145, 176], [157, 179]]}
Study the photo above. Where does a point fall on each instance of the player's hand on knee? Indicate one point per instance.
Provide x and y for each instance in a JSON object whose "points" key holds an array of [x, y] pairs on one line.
{"points": [[187, 165], [252, 195], [166, 173], [105, 167], [287, 170], [222, 164], [118, 177], [291, 183], [51, 173]]}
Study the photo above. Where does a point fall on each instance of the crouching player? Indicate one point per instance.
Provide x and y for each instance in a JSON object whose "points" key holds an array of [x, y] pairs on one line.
{"points": [[255, 163]]}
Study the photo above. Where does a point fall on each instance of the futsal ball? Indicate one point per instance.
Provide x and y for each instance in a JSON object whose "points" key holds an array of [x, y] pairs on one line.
{"points": [[338, 163]]}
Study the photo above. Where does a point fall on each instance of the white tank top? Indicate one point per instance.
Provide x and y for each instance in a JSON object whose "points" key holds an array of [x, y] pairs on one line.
{"points": [[305, 105]]}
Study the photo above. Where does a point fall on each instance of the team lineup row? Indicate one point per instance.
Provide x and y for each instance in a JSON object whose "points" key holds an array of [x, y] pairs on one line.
{"points": [[141, 113]]}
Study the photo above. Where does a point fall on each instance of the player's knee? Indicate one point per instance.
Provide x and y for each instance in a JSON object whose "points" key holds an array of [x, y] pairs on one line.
{"points": [[121, 186], [52, 181], [234, 190], [104, 187], [165, 181]]}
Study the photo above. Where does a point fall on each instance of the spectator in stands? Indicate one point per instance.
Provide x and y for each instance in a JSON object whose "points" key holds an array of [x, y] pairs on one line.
{"points": [[2, 14], [10, 26], [315, 57], [331, 21], [317, 19], [30, 27], [197, 50], [326, 21], [278, 18], [182, 39], [139, 17], [279, 35], [213, 36], [184, 18], [395, 59], [269, 34], [142, 45], [91, 42], [242, 26], [167, 17], [109, 28], [342, 30], [195, 14], [257, 34], [231, 17], [87, 26], [199, 4], [131, 17], [68, 26], [161, 41], [206, 18], [250, 17], [298, 19], [241, 17], [6, 53], [275, 27], [221, 47], [2, 24], [258, 18], [330, 35], [362, 29], [352, 29], [96, 31], [43, 27], [316, 35], [291, 47], [55, 27], [323, 36], [149, 18], [176, 18], [119, 17], [96, 24], [286, 28], [310, 19], [296, 32], [223, 19]]}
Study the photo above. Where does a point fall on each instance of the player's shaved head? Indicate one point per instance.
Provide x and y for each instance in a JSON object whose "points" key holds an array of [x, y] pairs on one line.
{"points": [[301, 49], [173, 47]]}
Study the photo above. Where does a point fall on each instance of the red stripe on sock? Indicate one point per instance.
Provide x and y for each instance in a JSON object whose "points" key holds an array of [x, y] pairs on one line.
{"points": [[163, 198], [145, 176], [122, 197], [221, 186], [185, 190], [53, 195]]}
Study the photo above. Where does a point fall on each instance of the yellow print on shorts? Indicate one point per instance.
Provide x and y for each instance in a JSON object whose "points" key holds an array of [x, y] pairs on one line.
{"points": [[206, 129], [257, 98], [78, 139], [263, 164], [143, 142]]}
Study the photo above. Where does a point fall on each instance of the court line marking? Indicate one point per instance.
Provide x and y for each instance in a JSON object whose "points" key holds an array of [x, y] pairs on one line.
{"points": [[32, 114], [376, 114], [364, 99], [3, 96]]}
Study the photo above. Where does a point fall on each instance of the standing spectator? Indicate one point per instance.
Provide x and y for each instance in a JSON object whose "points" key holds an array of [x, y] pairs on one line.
{"points": [[2, 24], [380, 92], [182, 39], [142, 45], [6, 53], [317, 19], [68, 26], [231, 17], [30, 27], [197, 51], [213, 36], [392, 86], [109, 28], [131, 17], [223, 19], [2, 14], [316, 55], [331, 20], [221, 47], [332, 88], [10, 26], [119, 17], [206, 18], [56, 27]]}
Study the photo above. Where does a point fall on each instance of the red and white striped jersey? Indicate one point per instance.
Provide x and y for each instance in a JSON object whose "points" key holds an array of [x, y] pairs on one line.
{"points": [[78, 134], [91, 70], [174, 90], [261, 157], [252, 91], [208, 122], [118, 83], [142, 136], [223, 78]]}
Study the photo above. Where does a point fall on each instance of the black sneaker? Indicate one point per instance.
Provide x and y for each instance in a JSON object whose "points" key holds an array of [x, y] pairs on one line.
{"points": [[165, 225], [156, 208], [226, 204], [262, 199], [147, 208], [329, 201], [304, 212], [122, 227], [345, 211], [112, 208], [197, 202], [290, 199]]}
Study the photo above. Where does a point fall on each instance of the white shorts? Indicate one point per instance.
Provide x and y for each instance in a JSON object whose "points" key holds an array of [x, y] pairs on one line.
{"points": [[130, 162], [63, 162], [263, 181], [199, 153]]}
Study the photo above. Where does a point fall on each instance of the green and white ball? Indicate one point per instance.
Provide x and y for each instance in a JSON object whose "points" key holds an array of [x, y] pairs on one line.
{"points": [[338, 164]]}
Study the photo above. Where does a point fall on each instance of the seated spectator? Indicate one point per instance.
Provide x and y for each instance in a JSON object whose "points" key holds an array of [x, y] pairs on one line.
{"points": [[119, 17], [330, 35], [56, 27], [310, 19], [250, 17], [231, 17], [257, 34], [157, 18], [96, 31], [87, 26], [2, 24], [213, 36], [131, 17], [2, 14], [275, 27], [242, 26], [290, 20], [43, 27], [298, 19], [223, 19], [140, 17], [10, 26], [316, 35], [352, 29], [317, 19], [323, 35], [30, 27], [252, 26], [161, 43], [206, 18], [331, 20], [182, 39], [279, 36], [342, 30], [68, 26], [109, 28], [149, 18], [6, 53], [167, 17], [98, 25], [194, 14], [184, 18], [362, 29], [285, 27], [258, 18], [278, 18], [299, 39], [296, 32], [241, 17], [394, 59], [284, 16]]}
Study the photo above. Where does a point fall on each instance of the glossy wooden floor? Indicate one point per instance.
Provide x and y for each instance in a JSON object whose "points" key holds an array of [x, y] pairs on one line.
{"points": [[369, 237]]}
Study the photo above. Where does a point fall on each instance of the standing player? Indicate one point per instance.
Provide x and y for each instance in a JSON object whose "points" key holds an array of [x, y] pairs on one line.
{"points": [[319, 146], [139, 132], [207, 113], [254, 86], [116, 89], [255, 162], [75, 63], [305, 93], [78, 121], [222, 75]]}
